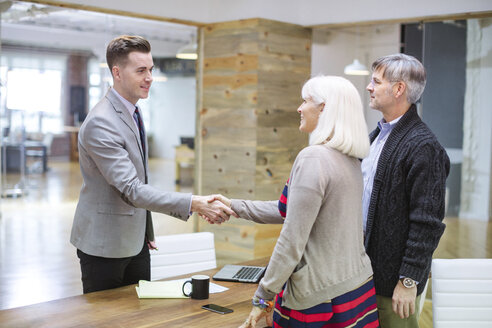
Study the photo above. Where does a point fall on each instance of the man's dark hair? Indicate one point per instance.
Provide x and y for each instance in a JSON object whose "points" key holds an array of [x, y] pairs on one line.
{"points": [[119, 48]]}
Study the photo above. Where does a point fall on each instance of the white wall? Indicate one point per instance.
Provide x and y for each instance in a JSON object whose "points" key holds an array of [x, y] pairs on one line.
{"points": [[302, 12], [333, 49], [172, 114], [476, 181]]}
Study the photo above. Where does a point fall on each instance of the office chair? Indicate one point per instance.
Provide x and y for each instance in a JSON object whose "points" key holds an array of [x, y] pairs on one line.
{"points": [[181, 254], [462, 293]]}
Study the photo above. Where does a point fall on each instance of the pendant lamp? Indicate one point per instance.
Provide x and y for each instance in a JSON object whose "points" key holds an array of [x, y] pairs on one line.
{"points": [[356, 68], [188, 51]]}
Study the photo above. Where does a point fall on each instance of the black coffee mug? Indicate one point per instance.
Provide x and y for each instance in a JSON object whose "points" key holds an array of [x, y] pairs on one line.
{"points": [[199, 287]]}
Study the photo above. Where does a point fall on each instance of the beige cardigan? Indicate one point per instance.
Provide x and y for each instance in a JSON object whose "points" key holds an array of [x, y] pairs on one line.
{"points": [[320, 251]]}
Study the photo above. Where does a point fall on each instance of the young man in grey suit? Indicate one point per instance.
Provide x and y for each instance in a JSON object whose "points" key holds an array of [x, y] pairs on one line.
{"points": [[112, 228], [404, 187]]}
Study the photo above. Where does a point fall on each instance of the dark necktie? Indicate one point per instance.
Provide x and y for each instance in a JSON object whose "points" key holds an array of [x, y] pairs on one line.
{"points": [[138, 119]]}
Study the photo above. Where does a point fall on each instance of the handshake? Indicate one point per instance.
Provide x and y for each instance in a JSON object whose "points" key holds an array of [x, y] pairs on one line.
{"points": [[213, 208]]}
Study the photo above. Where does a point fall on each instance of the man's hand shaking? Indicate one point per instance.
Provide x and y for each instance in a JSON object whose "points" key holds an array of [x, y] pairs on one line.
{"points": [[212, 209]]}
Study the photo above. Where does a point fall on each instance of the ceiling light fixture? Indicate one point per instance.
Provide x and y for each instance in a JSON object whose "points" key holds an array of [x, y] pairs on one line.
{"points": [[161, 78], [188, 51], [356, 68]]}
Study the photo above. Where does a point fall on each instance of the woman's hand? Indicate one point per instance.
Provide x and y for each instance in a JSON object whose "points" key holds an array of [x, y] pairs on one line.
{"points": [[255, 315], [226, 201]]}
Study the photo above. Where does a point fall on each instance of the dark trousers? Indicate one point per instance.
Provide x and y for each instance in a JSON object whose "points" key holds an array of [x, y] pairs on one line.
{"points": [[100, 273]]}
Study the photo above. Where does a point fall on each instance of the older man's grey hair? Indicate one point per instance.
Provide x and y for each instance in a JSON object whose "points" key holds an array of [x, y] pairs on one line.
{"points": [[404, 68]]}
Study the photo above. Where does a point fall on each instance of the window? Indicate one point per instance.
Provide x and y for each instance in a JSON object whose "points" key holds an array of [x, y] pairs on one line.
{"points": [[95, 83], [32, 87]]}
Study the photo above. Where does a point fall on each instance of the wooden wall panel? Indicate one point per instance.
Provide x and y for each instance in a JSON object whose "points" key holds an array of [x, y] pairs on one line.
{"points": [[239, 117], [222, 97], [227, 29], [252, 72], [294, 64], [239, 63], [231, 45], [273, 117]]}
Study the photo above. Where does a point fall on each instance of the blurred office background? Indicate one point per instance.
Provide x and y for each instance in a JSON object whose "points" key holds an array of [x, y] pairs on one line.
{"points": [[224, 122]]}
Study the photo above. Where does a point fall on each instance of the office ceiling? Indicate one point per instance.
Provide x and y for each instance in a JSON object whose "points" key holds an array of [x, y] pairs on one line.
{"points": [[29, 24], [301, 12]]}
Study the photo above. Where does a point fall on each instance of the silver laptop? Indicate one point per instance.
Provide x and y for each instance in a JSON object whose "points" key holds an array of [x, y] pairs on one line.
{"points": [[240, 273]]}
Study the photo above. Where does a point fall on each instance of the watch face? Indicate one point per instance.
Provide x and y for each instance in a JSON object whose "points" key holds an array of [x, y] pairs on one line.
{"points": [[408, 283]]}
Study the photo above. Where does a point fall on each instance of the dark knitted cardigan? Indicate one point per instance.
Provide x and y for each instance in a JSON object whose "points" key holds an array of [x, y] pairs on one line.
{"points": [[404, 220]]}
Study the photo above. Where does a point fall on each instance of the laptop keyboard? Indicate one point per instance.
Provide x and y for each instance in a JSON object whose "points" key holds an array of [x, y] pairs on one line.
{"points": [[248, 274]]}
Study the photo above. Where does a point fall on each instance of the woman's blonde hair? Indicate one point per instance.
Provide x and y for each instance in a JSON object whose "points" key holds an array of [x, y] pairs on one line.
{"points": [[341, 124]]}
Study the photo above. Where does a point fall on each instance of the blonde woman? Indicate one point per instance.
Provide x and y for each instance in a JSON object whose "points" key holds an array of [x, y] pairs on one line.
{"points": [[319, 274]]}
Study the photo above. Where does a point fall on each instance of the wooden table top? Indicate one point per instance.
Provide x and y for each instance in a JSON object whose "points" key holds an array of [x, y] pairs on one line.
{"points": [[121, 307]]}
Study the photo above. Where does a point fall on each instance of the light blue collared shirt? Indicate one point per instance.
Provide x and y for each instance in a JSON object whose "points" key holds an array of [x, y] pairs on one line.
{"points": [[370, 164], [128, 105]]}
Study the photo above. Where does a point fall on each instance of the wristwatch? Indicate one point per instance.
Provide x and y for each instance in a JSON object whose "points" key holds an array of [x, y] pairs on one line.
{"points": [[408, 282], [265, 305]]}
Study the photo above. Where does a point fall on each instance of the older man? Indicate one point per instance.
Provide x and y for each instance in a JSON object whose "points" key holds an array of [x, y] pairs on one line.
{"points": [[404, 188]]}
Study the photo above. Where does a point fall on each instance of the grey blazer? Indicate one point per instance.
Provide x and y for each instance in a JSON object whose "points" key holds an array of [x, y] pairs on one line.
{"points": [[112, 218]]}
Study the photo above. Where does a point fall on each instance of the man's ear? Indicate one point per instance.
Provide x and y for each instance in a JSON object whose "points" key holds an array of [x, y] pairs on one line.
{"points": [[115, 72], [401, 87]]}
